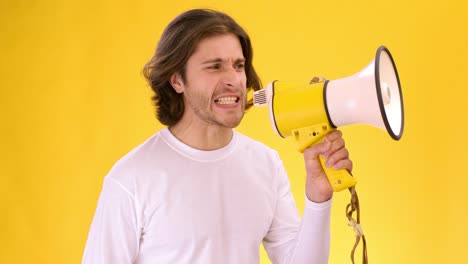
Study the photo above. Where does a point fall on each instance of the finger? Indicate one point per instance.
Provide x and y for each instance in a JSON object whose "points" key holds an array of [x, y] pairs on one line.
{"points": [[344, 164], [333, 135], [335, 145], [341, 154], [313, 151]]}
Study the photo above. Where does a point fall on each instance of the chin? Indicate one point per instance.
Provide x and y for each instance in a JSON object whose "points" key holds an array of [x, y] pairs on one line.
{"points": [[232, 123]]}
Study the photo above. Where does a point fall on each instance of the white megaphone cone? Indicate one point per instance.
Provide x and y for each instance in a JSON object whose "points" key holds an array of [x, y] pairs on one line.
{"points": [[371, 96]]}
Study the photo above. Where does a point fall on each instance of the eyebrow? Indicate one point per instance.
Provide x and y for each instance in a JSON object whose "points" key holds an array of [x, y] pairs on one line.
{"points": [[218, 60]]}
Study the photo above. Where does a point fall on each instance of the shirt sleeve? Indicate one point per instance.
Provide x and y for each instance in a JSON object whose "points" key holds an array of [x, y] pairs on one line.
{"points": [[113, 236], [292, 240]]}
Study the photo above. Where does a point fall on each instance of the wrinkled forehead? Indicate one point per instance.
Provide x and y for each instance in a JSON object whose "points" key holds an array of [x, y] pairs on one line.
{"points": [[225, 47]]}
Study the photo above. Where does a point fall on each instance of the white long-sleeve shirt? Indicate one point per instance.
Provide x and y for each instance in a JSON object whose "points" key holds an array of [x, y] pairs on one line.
{"points": [[165, 202]]}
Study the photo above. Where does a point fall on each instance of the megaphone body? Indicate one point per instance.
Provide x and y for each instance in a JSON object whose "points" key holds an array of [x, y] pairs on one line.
{"points": [[308, 112]]}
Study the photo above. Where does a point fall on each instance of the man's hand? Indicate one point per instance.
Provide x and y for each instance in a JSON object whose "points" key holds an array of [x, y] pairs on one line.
{"points": [[318, 189]]}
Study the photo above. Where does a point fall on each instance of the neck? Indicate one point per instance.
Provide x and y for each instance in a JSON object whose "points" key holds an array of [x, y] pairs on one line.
{"points": [[208, 137]]}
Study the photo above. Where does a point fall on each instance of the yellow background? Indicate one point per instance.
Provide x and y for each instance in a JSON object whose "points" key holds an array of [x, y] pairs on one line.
{"points": [[73, 101]]}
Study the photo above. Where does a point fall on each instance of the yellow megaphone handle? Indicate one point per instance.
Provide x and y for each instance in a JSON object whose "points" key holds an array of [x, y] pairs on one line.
{"points": [[339, 179], [308, 136]]}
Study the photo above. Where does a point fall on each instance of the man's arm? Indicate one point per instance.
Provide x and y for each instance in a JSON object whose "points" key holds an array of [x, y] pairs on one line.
{"points": [[307, 242], [290, 240]]}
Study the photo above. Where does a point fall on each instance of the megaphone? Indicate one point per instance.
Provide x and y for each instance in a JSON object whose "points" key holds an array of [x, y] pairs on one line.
{"points": [[308, 112]]}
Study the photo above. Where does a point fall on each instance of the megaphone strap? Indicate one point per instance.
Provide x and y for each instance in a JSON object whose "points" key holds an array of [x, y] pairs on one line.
{"points": [[357, 227], [352, 207]]}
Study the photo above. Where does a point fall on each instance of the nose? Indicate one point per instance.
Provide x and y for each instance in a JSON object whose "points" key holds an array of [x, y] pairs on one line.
{"points": [[232, 77]]}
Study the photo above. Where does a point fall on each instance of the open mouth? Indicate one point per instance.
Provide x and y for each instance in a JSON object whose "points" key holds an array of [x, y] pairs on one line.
{"points": [[227, 100]]}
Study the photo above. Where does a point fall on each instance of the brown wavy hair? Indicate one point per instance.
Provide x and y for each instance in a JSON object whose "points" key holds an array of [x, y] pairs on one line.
{"points": [[177, 44]]}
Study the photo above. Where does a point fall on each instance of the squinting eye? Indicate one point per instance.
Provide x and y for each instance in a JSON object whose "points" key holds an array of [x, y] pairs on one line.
{"points": [[240, 66], [215, 67]]}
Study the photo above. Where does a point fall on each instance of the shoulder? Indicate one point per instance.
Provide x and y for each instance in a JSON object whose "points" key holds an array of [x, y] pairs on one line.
{"points": [[136, 161]]}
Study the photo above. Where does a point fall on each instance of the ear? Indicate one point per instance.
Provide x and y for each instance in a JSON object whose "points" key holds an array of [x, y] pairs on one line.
{"points": [[177, 83]]}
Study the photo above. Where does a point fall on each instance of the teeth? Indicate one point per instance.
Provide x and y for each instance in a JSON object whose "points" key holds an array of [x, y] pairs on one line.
{"points": [[226, 100]]}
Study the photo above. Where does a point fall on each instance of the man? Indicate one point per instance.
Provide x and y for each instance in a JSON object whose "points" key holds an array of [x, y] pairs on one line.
{"points": [[198, 191]]}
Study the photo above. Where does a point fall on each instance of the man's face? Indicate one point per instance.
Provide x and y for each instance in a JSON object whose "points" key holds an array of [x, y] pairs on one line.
{"points": [[215, 83]]}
